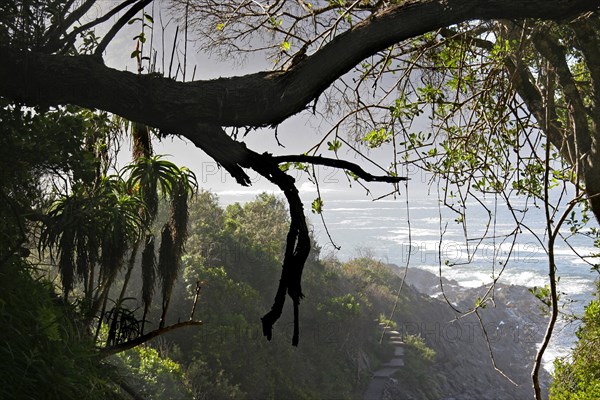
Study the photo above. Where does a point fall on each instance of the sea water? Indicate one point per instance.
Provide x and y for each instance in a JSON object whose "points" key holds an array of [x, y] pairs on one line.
{"points": [[490, 240]]}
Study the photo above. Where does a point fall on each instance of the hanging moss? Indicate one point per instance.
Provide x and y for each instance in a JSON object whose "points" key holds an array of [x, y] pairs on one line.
{"points": [[148, 271], [83, 262], [180, 214], [66, 262], [168, 264]]}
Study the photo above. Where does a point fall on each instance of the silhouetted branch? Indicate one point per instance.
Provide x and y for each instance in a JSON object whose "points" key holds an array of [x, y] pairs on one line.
{"points": [[234, 157], [342, 164], [260, 99], [70, 38], [107, 351], [118, 25]]}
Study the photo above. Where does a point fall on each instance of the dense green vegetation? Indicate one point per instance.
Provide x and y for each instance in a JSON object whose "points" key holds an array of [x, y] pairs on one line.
{"points": [[235, 253], [578, 376], [41, 347], [65, 215], [44, 349], [232, 254]]}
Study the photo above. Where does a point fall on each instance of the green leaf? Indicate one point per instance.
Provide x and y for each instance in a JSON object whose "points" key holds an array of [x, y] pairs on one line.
{"points": [[141, 37], [376, 138], [285, 46], [220, 26], [317, 205], [352, 175], [335, 145], [300, 166], [479, 303]]}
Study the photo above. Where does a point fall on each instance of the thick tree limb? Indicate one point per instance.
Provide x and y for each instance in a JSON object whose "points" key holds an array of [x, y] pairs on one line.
{"points": [[107, 351], [588, 43], [260, 99], [234, 156]]}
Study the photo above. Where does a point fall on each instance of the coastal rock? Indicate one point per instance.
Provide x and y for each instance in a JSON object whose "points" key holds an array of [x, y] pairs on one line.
{"points": [[464, 364]]}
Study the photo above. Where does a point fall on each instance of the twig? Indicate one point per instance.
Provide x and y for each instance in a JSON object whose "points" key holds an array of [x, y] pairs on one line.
{"points": [[491, 353], [198, 288]]}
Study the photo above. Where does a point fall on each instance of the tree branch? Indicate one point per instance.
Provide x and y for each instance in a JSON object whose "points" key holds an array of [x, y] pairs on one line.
{"points": [[110, 35], [260, 99], [587, 42], [62, 25], [549, 47], [70, 37], [342, 164], [234, 156], [524, 83], [107, 351]]}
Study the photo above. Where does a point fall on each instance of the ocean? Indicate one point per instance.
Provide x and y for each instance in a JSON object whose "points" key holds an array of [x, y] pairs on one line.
{"points": [[401, 232]]}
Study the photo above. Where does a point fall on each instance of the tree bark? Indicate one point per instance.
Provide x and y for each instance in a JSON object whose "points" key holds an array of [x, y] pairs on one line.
{"points": [[260, 99]]}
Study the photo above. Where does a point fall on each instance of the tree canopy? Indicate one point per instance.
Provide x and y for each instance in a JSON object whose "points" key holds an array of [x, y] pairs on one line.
{"points": [[511, 89]]}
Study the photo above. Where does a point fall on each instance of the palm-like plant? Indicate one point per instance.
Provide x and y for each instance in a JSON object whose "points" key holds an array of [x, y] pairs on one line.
{"points": [[92, 228], [90, 231], [152, 178]]}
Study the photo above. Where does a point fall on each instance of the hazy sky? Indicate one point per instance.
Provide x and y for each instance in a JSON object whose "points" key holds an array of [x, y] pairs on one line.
{"points": [[297, 134]]}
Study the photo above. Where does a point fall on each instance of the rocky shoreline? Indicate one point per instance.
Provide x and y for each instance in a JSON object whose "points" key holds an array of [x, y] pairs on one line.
{"points": [[463, 368]]}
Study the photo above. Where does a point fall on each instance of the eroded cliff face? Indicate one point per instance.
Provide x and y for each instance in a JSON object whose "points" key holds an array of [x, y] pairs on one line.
{"points": [[463, 366]]}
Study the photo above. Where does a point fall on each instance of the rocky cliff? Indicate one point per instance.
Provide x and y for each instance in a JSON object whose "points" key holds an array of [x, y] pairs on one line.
{"points": [[463, 367]]}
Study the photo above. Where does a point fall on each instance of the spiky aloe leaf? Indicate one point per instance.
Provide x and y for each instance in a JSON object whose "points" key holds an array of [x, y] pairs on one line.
{"points": [[120, 224], [148, 176]]}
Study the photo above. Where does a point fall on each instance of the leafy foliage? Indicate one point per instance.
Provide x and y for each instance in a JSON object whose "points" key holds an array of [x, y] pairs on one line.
{"points": [[578, 378], [153, 376], [233, 254], [41, 345]]}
